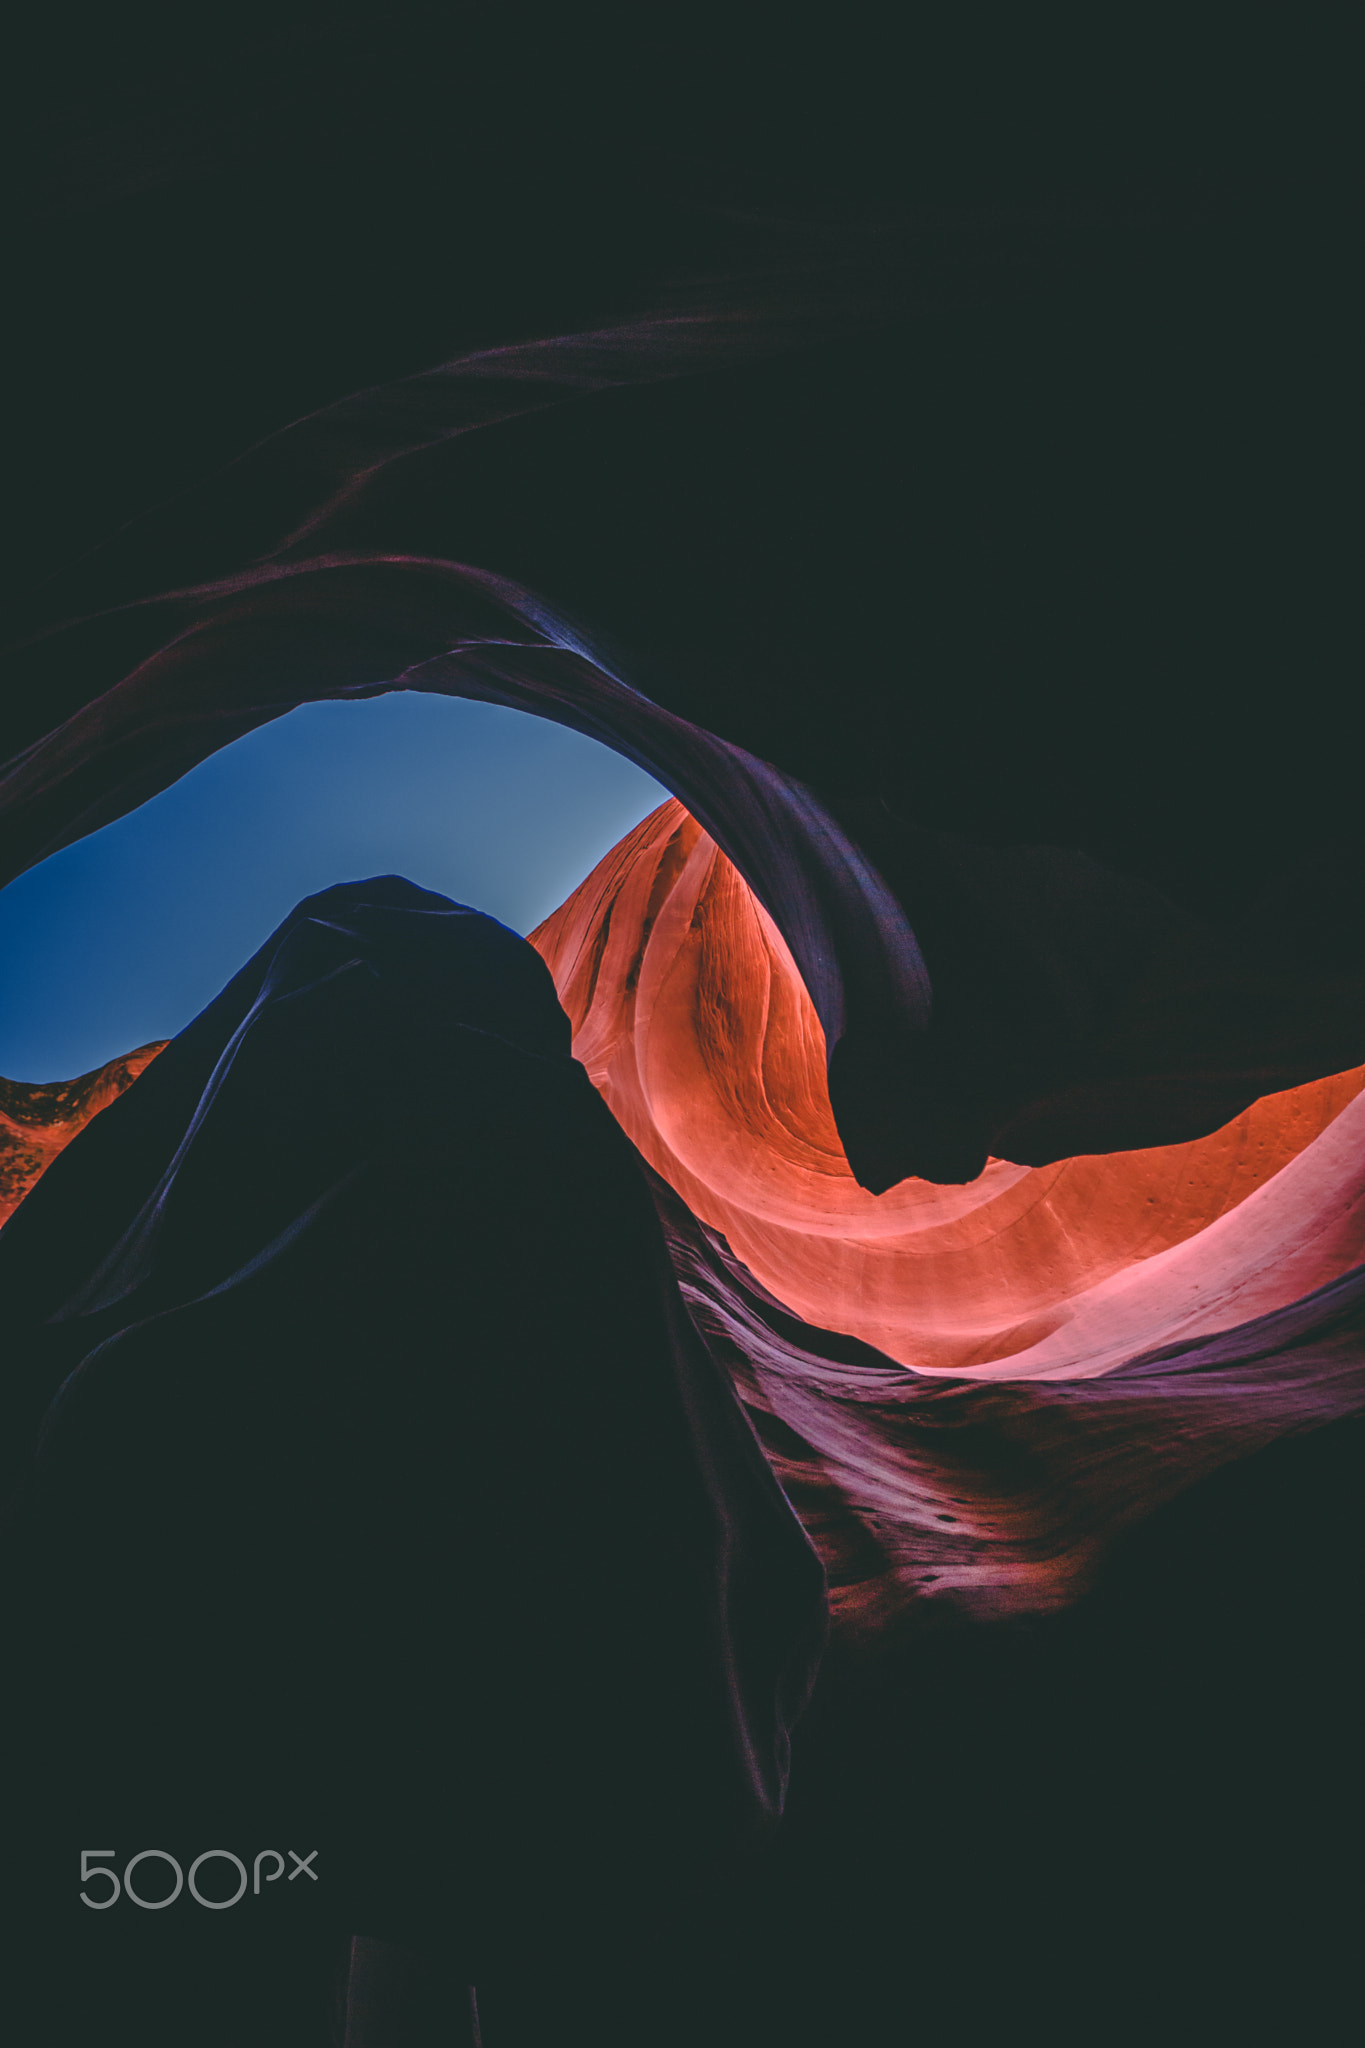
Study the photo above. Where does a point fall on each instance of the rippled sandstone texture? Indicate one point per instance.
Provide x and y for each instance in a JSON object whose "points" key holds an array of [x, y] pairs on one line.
{"points": [[1085, 1340], [691, 1018], [969, 1392], [879, 553], [1037, 590]]}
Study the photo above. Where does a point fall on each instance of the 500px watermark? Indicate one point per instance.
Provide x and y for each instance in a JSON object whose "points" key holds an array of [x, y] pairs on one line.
{"points": [[124, 1887]]}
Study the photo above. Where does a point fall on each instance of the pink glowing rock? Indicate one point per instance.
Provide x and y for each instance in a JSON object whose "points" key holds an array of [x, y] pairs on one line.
{"points": [[692, 1021]]}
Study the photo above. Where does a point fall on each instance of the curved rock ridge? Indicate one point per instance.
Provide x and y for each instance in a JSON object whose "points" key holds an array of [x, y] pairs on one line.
{"points": [[175, 674], [38, 1119], [694, 1024], [1085, 1341], [936, 1496], [1008, 955]]}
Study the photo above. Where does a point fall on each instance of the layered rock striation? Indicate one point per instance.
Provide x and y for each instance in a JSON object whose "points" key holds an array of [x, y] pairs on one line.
{"points": [[692, 1020], [970, 1392]]}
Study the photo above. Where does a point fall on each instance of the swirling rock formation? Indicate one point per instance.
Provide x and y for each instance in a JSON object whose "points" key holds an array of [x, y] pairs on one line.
{"points": [[963, 549], [692, 1020], [1008, 957], [969, 1392], [1085, 1339]]}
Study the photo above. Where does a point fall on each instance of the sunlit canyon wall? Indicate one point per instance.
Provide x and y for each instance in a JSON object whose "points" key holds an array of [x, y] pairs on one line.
{"points": [[968, 1391], [693, 1023]]}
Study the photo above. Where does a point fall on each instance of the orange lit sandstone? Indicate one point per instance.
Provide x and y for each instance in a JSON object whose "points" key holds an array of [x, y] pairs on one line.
{"points": [[690, 1018], [39, 1118], [692, 1021]]}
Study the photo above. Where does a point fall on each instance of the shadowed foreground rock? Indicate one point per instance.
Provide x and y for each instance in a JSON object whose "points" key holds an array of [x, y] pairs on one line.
{"points": [[1096, 1615], [963, 547], [359, 1445]]}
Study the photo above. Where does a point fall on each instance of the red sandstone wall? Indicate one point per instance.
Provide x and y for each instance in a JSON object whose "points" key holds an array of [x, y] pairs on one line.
{"points": [[691, 1019], [38, 1118]]}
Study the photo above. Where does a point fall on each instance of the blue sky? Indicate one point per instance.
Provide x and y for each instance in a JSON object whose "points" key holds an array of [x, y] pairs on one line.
{"points": [[126, 936]]}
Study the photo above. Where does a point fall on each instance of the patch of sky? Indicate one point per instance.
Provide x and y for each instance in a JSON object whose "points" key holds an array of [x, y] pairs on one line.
{"points": [[125, 937]]}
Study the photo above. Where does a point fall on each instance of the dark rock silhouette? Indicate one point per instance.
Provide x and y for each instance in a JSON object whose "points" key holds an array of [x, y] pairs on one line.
{"points": [[931, 467], [357, 1435]]}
